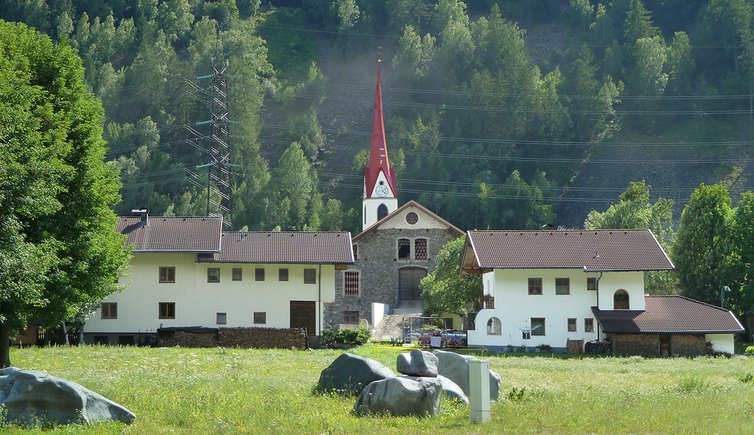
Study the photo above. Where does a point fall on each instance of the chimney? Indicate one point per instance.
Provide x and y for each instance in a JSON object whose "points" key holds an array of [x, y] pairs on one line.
{"points": [[144, 214]]}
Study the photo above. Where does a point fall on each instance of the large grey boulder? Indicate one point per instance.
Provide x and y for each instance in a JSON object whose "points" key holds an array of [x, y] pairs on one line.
{"points": [[400, 396], [34, 397], [351, 373], [417, 363], [456, 368], [450, 389]]}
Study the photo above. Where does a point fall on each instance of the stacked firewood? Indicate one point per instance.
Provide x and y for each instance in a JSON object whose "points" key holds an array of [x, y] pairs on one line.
{"points": [[263, 338], [189, 339]]}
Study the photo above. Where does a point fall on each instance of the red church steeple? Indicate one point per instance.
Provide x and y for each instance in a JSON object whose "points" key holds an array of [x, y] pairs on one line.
{"points": [[378, 158]]}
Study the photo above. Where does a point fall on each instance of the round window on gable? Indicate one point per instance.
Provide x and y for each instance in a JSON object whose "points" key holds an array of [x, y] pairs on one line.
{"points": [[412, 218]]}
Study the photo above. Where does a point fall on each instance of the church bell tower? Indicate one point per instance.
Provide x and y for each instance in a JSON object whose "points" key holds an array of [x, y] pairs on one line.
{"points": [[380, 196]]}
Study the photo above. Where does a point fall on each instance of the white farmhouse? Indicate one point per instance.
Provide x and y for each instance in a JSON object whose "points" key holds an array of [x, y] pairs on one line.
{"points": [[566, 288], [187, 272]]}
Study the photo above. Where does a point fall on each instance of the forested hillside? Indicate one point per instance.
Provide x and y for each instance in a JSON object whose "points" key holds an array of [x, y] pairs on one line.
{"points": [[499, 114]]}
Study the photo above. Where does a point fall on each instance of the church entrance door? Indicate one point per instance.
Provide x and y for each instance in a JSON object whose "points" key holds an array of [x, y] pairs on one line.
{"points": [[408, 279]]}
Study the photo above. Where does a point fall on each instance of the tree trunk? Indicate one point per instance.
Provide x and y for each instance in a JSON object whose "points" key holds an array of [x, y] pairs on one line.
{"points": [[4, 345]]}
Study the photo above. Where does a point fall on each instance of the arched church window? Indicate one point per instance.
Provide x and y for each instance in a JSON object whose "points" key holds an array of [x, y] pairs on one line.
{"points": [[404, 249], [494, 327], [620, 300], [381, 211]]}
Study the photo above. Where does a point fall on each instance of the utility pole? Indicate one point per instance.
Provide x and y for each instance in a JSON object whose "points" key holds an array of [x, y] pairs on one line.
{"points": [[218, 169]]}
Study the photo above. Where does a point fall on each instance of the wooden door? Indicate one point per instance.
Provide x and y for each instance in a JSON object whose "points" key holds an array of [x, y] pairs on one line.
{"points": [[408, 282], [666, 348], [304, 315]]}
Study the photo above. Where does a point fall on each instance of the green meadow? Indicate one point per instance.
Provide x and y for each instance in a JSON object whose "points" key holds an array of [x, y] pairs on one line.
{"points": [[208, 391]]}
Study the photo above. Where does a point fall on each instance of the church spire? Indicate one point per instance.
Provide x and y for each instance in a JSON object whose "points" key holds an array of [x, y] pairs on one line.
{"points": [[378, 157], [380, 195]]}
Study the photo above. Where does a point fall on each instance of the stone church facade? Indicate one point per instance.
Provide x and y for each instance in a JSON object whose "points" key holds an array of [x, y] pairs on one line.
{"points": [[391, 257], [395, 250]]}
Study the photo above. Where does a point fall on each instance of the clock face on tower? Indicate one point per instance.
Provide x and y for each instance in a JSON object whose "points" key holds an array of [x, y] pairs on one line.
{"points": [[381, 191]]}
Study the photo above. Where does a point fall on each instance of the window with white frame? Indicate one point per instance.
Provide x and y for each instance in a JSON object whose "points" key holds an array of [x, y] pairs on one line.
{"points": [[588, 325], [571, 325], [109, 310], [562, 286], [167, 274], [166, 310], [213, 274], [310, 276], [591, 283], [538, 326], [494, 326], [535, 286]]}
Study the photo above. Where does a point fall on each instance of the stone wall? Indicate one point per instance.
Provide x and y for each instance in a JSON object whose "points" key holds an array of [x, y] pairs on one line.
{"points": [[379, 265]]}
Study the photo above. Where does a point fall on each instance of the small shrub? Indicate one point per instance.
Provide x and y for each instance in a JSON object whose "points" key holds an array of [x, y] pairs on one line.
{"points": [[544, 348], [516, 395], [510, 348], [345, 337], [749, 351], [747, 378]]}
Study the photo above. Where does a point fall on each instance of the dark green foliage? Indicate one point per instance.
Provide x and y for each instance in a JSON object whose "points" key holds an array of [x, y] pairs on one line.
{"points": [[492, 107], [702, 244], [344, 337], [445, 290]]}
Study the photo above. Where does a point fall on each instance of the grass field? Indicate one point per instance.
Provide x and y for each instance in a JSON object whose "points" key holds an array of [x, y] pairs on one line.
{"points": [[174, 390]]}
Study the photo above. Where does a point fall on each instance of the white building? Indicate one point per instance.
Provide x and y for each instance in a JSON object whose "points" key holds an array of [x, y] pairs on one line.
{"points": [[187, 272], [552, 287]]}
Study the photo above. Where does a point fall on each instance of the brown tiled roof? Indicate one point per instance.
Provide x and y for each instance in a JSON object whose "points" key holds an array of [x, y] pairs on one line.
{"points": [[452, 228], [670, 314], [590, 250], [172, 234], [285, 247]]}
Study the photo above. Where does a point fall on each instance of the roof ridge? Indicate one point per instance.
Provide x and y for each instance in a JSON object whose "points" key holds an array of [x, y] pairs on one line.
{"points": [[283, 232], [701, 302], [569, 230]]}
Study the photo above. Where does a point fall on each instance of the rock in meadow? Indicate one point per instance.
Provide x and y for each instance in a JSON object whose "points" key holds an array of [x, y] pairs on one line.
{"points": [[400, 396], [30, 397], [456, 368], [452, 391], [351, 373], [417, 363]]}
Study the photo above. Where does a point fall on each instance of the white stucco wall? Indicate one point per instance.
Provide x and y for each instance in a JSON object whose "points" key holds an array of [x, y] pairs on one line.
{"points": [[425, 221], [197, 302], [721, 342], [514, 307]]}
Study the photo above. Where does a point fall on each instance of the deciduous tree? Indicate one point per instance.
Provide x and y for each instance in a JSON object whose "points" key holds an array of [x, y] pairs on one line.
{"points": [[60, 253], [701, 247], [445, 289]]}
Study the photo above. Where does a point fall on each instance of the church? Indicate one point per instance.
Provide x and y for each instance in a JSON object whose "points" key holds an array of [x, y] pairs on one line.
{"points": [[396, 248]]}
